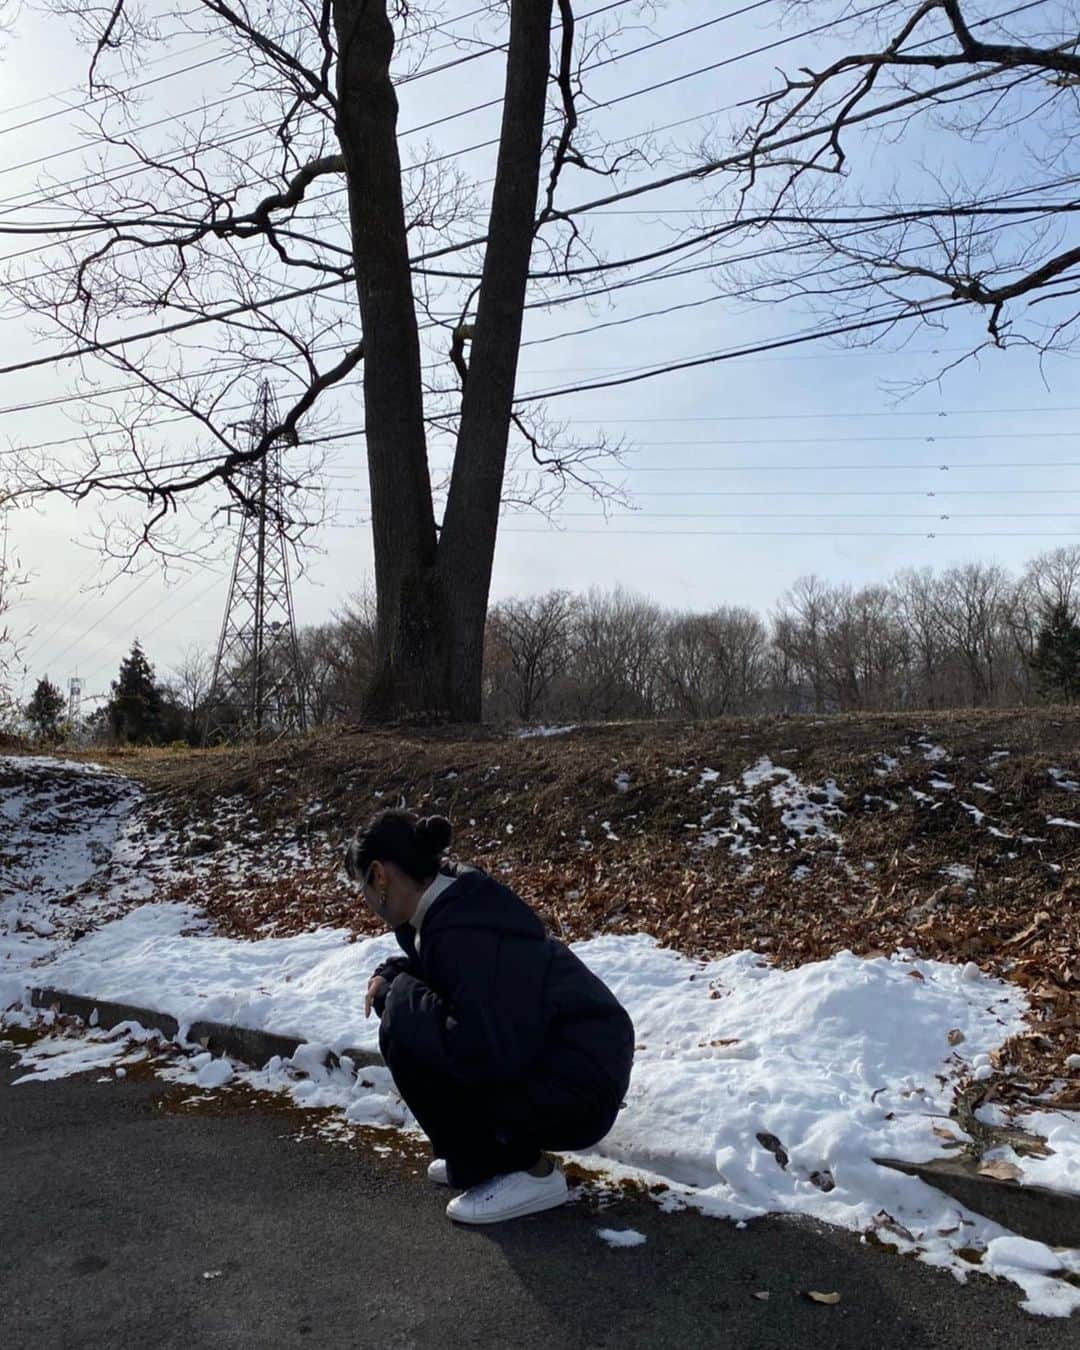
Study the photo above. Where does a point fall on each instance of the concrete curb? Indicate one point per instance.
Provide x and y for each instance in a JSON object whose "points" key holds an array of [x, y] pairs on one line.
{"points": [[1034, 1212], [244, 1043]]}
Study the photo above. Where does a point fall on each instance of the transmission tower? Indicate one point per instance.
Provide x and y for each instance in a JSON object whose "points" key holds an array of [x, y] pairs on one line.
{"points": [[257, 668], [75, 689]]}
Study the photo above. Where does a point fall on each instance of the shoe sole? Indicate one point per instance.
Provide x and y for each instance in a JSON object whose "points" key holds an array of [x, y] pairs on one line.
{"points": [[520, 1212]]}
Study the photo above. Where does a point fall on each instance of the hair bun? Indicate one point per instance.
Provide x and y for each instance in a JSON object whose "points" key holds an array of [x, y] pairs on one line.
{"points": [[434, 832]]}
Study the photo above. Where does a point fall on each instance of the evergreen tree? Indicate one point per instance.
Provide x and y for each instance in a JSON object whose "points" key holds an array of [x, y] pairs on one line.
{"points": [[1056, 663], [44, 709], [135, 709]]}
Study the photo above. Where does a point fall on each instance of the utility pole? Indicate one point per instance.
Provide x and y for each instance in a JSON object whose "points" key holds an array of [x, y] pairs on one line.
{"points": [[257, 668]]}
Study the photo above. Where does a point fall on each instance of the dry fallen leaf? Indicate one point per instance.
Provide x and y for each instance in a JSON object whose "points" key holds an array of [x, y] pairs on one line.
{"points": [[815, 1297], [1000, 1170], [946, 1135], [883, 1219], [955, 1036]]}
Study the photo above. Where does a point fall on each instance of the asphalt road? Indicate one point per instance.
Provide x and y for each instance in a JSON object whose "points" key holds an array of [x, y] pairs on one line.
{"points": [[116, 1199]]}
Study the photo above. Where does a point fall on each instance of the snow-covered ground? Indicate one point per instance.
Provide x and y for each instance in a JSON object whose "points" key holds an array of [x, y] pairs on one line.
{"points": [[755, 1089], [59, 826]]}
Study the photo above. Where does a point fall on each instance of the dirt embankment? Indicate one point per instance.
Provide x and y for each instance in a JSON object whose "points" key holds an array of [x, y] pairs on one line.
{"points": [[955, 835]]}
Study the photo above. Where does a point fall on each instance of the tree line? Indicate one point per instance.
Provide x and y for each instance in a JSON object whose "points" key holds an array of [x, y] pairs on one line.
{"points": [[972, 635], [966, 636]]}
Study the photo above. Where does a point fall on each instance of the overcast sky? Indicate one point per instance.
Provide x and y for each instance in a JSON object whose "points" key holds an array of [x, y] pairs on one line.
{"points": [[746, 474]]}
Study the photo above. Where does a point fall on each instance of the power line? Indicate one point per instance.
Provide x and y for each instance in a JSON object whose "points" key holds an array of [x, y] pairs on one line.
{"points": [[346, 433], [787, 441], [94, 348], [546, 304], [780, 515], [596, 105], [976, 466], [56, 656], [83, 395], [72, 594], [169, 616], [935, 495], [817, 415], [840, 330], [172, 118], [718, 164], [643, 280], [828, 515], [796, 534], [961, 467], [921, 493], [64, 618], [323, 287], [85, 98], [62, 190]]}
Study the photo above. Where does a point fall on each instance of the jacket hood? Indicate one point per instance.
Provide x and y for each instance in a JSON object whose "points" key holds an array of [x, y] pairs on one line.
{"points": [[476, 900]]}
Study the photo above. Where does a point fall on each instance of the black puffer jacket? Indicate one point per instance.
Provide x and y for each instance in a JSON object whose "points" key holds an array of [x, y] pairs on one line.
{"points": [[491, 999]]}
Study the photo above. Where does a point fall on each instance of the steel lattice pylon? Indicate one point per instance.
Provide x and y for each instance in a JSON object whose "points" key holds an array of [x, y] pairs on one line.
{"points": [[257, 681]]}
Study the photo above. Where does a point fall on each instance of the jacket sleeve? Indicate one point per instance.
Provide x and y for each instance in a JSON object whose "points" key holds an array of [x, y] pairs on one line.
{"points": [[389, 971], [460, 1022], [394, 966]]}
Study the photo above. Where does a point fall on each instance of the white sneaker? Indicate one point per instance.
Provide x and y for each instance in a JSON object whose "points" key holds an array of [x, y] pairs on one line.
{"points": [[437, 1172], [509, 1197]]}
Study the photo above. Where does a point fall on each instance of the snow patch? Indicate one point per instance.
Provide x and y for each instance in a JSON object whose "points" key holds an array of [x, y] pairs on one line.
{"points": [[804, 811], [1060, 1170], [621, 1237], [61, 825], [215, 1074]]}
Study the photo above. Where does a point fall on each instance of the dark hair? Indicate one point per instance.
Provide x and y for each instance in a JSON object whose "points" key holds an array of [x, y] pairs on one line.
{"points": [[416, 846]]}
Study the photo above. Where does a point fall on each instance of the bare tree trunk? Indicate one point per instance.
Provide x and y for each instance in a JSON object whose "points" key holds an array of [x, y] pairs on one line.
{"points": [[467, 545], [412, 651], [433, 593]]}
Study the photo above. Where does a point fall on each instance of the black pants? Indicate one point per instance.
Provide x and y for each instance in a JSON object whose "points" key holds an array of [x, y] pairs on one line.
{"points": [[483, 1132]]}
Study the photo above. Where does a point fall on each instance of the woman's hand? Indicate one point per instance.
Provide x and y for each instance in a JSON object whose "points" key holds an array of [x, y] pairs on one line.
{"points": [[374, 985]]}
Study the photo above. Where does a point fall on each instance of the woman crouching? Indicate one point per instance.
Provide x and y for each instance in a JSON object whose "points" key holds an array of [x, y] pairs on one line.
{"points": [[502, 1043]]}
